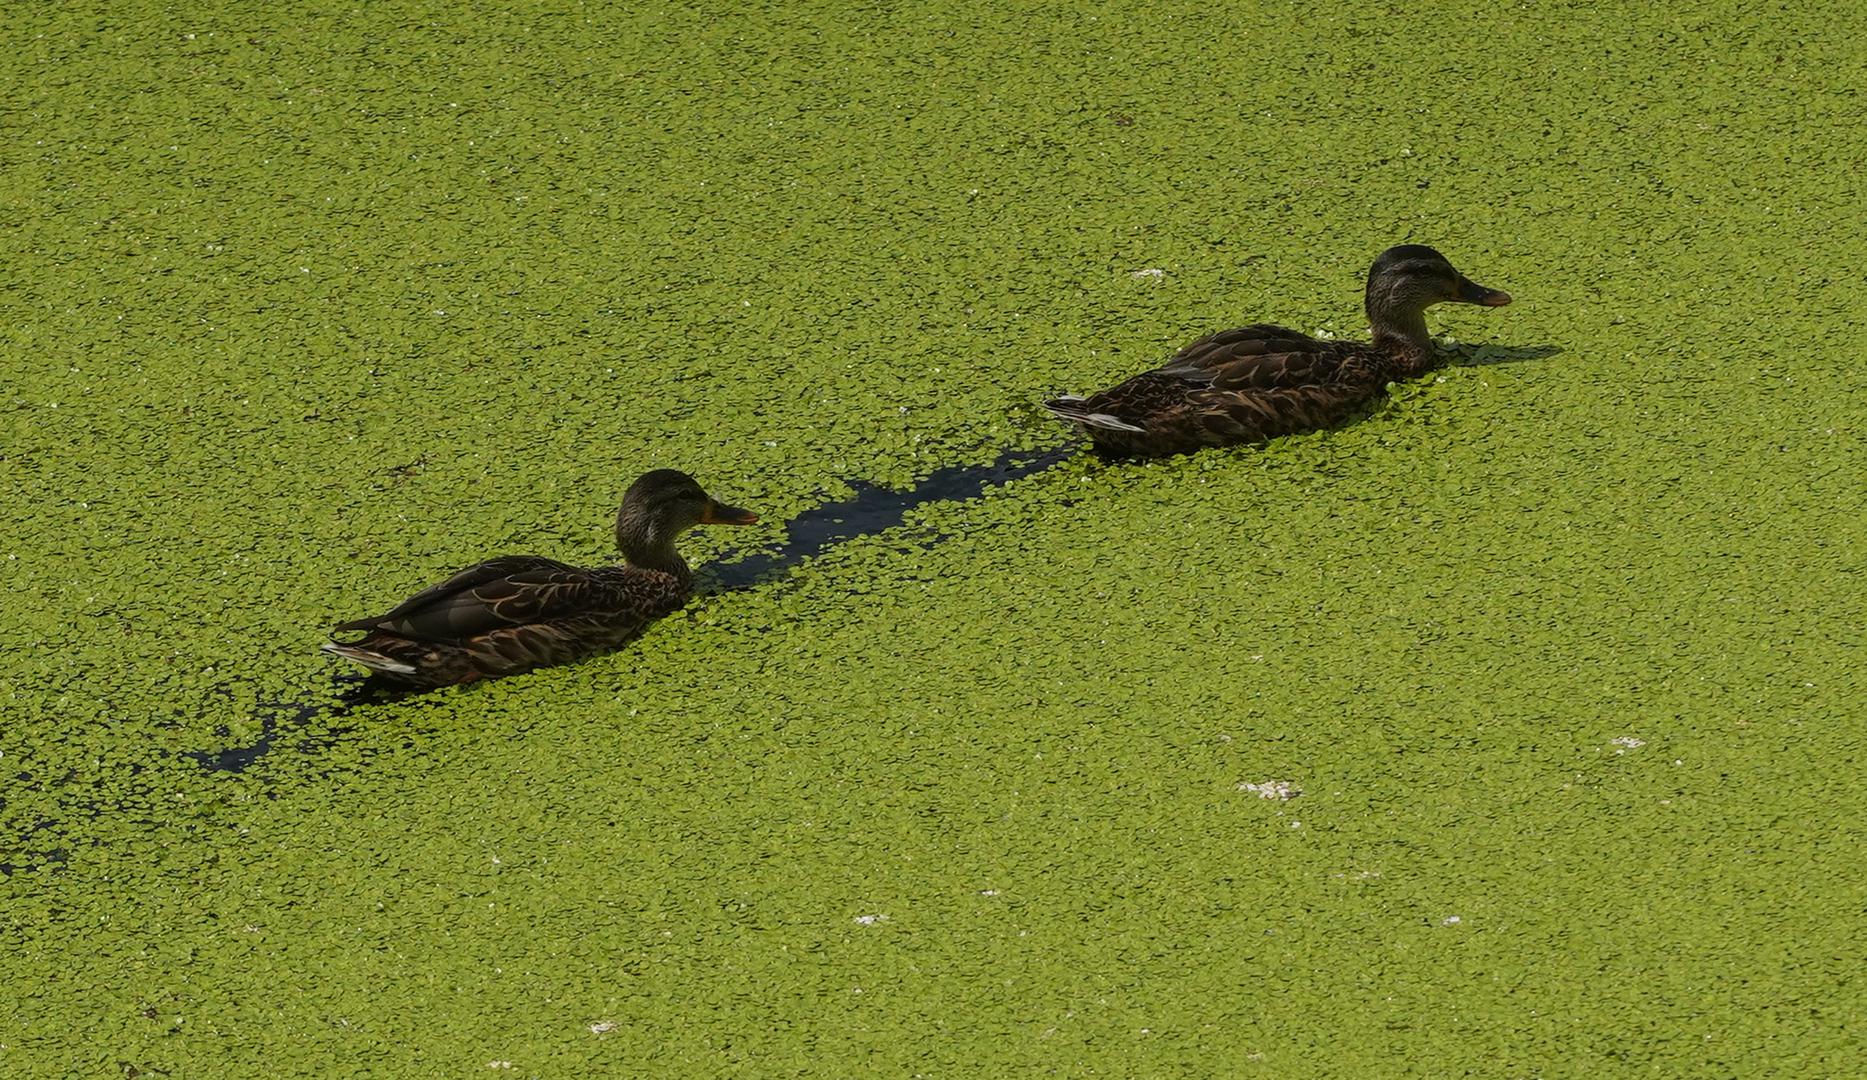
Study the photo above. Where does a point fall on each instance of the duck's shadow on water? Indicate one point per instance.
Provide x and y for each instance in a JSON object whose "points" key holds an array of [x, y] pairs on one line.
{"points": [[1489, 355], [272, 716], [282, 722], [293, 724], [872, 509]]}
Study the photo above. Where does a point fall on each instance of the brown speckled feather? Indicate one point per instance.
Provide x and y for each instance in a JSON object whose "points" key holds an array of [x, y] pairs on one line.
{"points": [[1245, 385], [456, 606], [513, 614]]}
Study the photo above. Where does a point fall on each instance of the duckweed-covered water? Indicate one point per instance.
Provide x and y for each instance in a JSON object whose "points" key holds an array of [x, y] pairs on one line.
{"points": [[1514, 730]]}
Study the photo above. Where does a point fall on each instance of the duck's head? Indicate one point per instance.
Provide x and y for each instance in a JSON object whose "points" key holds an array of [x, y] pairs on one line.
{"points": [[1414, 277], [662, 505]]}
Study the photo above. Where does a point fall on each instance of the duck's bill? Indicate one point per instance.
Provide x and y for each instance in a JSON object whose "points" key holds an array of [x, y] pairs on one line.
{"points": [[1471, 292], [719, 513]]}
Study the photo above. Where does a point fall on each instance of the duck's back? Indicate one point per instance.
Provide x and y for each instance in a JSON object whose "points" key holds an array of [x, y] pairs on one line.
{"points": [[513, 614], [1260, 357], [601, 610], [1248, 384]]}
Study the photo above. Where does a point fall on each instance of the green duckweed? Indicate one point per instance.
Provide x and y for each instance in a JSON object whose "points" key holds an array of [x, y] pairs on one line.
{"points": [[1507, 731]]}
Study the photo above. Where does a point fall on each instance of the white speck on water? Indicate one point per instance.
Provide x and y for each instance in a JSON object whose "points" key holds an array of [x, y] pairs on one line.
{"points": [[1150, 272], [499, 1064], [988, 892], [602, 1026], [870, 920], [1626, 743], [1280, 790], [1450, 920]]}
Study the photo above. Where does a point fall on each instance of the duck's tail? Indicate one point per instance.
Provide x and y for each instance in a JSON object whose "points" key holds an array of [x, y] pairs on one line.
{"points": [[369, 658], [1071, 408]]}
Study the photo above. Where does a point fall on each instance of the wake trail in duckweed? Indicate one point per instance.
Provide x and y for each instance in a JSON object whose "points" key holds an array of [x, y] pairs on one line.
{"points": [[872, 509]]}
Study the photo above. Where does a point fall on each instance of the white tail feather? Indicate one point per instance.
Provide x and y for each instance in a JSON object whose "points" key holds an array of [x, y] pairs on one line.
{"points": [[375, 661], [1092, 419]]}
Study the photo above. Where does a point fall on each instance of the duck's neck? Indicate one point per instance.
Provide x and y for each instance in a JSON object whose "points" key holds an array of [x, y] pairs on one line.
{"points": [[1396, 326], [646, 546], [1400, 332]]}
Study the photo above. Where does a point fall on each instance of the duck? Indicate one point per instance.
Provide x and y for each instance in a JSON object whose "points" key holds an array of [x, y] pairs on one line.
{"points": [[515, 613], [1260, 381]]}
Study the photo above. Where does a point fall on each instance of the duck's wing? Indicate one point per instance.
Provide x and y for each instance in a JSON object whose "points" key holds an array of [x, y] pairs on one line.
{"points": [[511, 591], [1253, 415], [1258, 357]]}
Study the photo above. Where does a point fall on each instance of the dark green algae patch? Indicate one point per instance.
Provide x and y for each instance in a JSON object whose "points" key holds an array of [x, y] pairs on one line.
{"points": [[1560, 656]]}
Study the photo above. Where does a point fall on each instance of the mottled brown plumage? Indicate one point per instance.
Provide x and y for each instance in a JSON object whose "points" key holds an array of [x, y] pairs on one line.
{"points": [[519, 612], [1261, 381]]}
